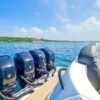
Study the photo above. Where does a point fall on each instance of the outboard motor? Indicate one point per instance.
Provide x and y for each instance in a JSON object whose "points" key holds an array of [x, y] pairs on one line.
{"points": [[8, 81], [40, 64], [90, 56], [25, 68], [50, 59], [7, 76]]}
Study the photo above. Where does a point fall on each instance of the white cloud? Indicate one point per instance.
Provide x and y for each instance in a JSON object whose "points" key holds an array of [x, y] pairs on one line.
{"points": [[21, 30], [51, 30], [51, 33], [48, 33], [98, 3], [87, 30], [36, 30]]}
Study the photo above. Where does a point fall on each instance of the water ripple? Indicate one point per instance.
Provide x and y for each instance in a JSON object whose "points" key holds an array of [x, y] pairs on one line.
{"points": [[65, 52]]}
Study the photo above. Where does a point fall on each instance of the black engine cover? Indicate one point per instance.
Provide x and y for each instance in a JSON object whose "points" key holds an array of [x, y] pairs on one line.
{"points": [[50, 57], [24, 63], [39, 58], [40, 62], [7, 71]]}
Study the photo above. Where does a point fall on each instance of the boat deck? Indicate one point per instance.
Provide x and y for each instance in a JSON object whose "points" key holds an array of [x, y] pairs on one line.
{"points": [[44, 90]]}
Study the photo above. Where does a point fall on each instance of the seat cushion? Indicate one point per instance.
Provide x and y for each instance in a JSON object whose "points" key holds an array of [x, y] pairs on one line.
{"points": [[90, 56]]}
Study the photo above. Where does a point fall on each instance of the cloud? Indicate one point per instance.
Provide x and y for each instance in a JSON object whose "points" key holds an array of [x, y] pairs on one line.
{"points": [[51, 30], [51, 33], [87, 30], [48, 33], [21, 30], [36, 30], [98, 3]]}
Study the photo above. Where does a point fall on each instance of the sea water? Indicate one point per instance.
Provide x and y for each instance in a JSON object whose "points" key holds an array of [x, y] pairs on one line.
{"points": [[65, 52]]}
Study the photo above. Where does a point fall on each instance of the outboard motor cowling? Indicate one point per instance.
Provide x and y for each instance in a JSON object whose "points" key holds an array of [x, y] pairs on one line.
{"points": [[7, 71], [40, 62], [25, 68], [8, 81], [50, 59], [7, 76]]}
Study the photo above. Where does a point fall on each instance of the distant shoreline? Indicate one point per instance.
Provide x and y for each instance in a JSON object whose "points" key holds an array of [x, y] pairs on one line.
{"points": [[25, 39]]}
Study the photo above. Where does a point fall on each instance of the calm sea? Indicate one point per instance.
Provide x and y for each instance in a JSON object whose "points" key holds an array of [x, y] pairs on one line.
{"points": [[65, 52]]}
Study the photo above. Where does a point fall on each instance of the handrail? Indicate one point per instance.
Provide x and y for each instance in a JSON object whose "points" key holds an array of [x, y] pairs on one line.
{"points": [[60, 77]]}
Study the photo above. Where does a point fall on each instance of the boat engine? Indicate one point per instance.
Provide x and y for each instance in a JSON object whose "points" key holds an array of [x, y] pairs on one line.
{"points": [[25, 68], [40, 64], [50, 59], [7, 76]]}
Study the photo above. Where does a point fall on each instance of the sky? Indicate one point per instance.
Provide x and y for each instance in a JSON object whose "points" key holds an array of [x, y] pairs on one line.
{"points": [[51, 19]]}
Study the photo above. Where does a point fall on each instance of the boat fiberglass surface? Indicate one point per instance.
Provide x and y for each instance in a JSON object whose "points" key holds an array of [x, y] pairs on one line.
{"points": [[82, 80]]}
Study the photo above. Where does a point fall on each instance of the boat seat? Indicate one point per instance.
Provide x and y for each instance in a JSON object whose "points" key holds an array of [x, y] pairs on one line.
{"points": [[82, 77], [90, 56], [99, 91]]}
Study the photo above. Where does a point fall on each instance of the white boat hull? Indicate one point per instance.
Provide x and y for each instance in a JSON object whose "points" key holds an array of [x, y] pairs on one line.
{"points": [[76, 85]]}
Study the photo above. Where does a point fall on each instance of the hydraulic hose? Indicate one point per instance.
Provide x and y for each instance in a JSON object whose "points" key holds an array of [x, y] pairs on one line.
{"points": [[42, 71], [16, 97], [26, 81], [6, 97], [53, 67]]}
